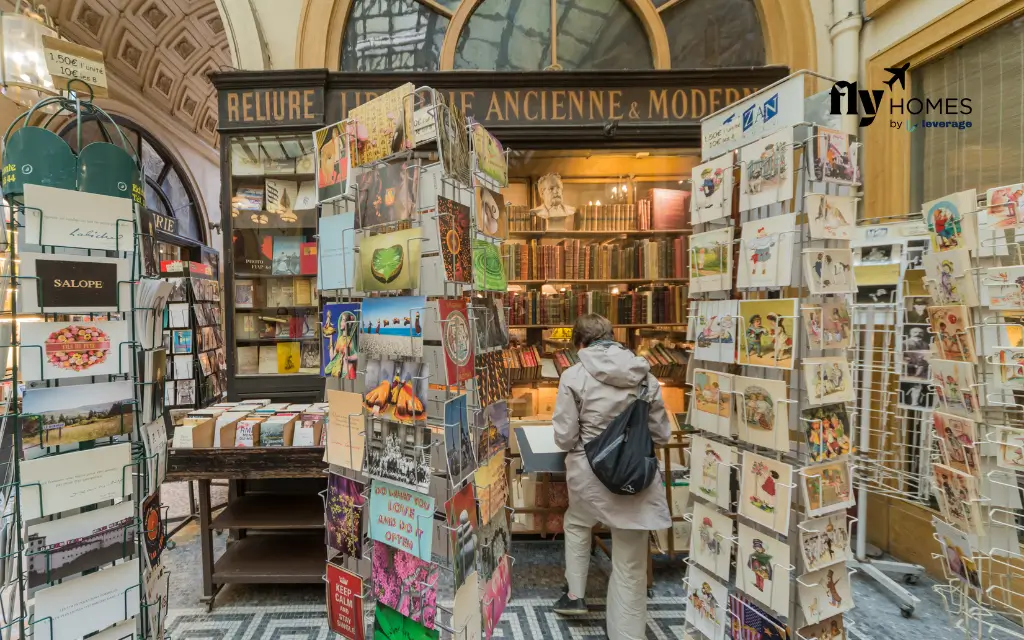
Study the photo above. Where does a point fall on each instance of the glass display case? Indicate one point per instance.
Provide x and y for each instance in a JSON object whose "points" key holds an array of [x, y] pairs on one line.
{"points": [[270, 239]]}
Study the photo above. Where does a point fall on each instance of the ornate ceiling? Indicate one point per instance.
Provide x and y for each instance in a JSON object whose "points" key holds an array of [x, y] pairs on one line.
{"points": [[162, 49]]}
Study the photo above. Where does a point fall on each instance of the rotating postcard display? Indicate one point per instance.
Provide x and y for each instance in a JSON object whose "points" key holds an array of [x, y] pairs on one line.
{"points": [[92, 325], [412, 357], [771, 366]]}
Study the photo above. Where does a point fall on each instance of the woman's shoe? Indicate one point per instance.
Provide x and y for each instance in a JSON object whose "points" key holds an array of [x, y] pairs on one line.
{"points": [[566, 606]]}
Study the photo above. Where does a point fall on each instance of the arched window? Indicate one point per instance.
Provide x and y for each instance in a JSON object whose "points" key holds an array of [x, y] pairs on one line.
{"points": [[393, 35], [167, 189]]}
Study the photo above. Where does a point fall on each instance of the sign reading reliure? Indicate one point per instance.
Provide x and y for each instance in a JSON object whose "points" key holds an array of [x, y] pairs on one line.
{"points": [[253, 108]]}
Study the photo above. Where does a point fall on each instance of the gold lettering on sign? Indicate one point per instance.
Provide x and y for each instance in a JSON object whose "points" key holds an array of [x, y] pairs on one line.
{"points": [[293, 106], [526, 105], [657, 104], [512, 104], [698, 96], [679, 104], [467, 103], [78, 284], [556, 105], [595, 99], [716, 98], [575, 101], [307, 103], [246, 107], [495, 108], [233, 107], [731, 96], [614, 107]]}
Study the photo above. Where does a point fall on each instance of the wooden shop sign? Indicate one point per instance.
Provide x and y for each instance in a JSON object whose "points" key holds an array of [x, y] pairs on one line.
{"points": [[253, 108]]}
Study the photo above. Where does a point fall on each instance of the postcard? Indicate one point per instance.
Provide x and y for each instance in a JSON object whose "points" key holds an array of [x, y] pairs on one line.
{"points": [[826, 487], [1004, 206], [712, 189], [399, 452], [492, 381], [1011, 449], [762, 413], [391, 327], [766, 171], [388, 624], [490, 155], [66, 218], [154, 532], [286, 255], [89, 603], [714, 461], [824, 541], [705, 607], [959, 498], [952, 221], [827, 325], [453, 142], [828, 380], [491, 215], [834, 156], [466, 614], [1003, 288], [716, 330], [403, 582], [958, 442], [339, 331], [336, 253], [488, 267], [458, 445], [712, 401], [824, 593], [765, 339], [68, 546], [763, 563], [765, 492], [829, 271], [390, 261], [949, 279], [345, 430], [64, 283], [830, 217], [711, 260], [766, 252], [345, 504], [456, 249], [492, 430], [954, 336], [397, 390], [345, 602], [488, 317], [753, 622], [958, 553], [181, 341], [77, 413], [456, 339], [332, 161], [492, 487], [463, 529], [401, 518], [711, 539], [76, 479], [827, 431], [497, 593], [383, 125], [53, 350], [386, 193], [493, 543], [916, 395], [956, 388]]}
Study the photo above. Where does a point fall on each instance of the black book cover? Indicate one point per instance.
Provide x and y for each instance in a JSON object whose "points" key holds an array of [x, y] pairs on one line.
{"points": [[253, 252]]}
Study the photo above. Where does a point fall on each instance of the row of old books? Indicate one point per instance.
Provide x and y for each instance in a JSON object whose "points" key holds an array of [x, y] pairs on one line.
{"points": [[660, 304], [259, 253], [297, 324], [564, 358], [667, 361], [280, 358], [523, 363], [654, 258], [277, 292], [661, 210]]}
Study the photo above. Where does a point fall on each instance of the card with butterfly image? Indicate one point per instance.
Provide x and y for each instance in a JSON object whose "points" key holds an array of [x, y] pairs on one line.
{"points": [[762, 412], [953, 333], [829, 271], [949, 278], [830, 217], [956, 388], [828, 380], [712, 189], [958, 442], [711, 539], [953, 221], [1002, 288], [959, 498], [763, 568], [766, 252], [712, 401]]}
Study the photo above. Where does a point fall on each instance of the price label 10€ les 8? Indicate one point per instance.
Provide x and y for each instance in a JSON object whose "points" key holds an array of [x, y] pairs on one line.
{"points": [[67, 61]]}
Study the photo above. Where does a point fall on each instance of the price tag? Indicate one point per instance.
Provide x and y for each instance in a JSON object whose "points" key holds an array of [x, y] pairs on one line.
{"points": [[67, 61]]}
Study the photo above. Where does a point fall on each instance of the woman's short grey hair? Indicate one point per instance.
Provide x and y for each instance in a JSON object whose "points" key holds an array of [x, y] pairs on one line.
{"points": [[590, 328]]}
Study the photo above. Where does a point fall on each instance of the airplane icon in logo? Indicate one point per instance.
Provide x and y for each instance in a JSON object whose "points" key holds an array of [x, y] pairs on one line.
{"points": [[899, 74]]}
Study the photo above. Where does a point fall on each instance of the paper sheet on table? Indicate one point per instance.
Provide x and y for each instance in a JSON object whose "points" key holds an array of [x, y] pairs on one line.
{"points": [[542, 438]]}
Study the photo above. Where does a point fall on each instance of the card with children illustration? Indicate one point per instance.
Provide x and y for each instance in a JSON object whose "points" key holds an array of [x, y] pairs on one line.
{"points": [[766, 491], [829, 271], [766, 337], [953, 221], [828, 380], [827, 325], [762, 413], [766, 252], [949, 278], [952, 332]]}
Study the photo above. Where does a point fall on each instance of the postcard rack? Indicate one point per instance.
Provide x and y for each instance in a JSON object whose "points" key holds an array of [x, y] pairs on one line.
{"points": [[767, 365], [117, 461], [429, 466]]}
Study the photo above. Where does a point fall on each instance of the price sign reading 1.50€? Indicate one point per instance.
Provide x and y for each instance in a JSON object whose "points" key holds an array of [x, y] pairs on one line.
{"points": [[67, 61]]}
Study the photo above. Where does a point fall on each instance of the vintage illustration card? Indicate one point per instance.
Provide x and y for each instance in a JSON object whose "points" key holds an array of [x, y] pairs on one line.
{"points": [[1011, 449], [766, 339], [77, 413], [490, 155], [1003, 289], [98, 474], [833, 628], [712, 402], [711, 539], [456, 340], [765, 491], [958, 553], [390, 261], [830, 217], [491, 216], [834, 156], [827, 431], [959, 499], [1011, 367], [829, 271], [827, 486], [949, 278], [488, 267], [766, 252], [952, 221], [710, 463], [827, 595], [716, 330], [391, 327], [766, 170], [828, 380], [956, 388], [401, 518], [53, 350], [1004, 206], [712, 189], [406, 584], [331, 157], [463, 532], [959, 443], [705, 606], [762, 413], [824, 541], [386, 193], [458, 446], [456, 248], [345, 504], [763, 568], [711, 260], [916, 395], [954, 337], [827, 325], [383, 125]]}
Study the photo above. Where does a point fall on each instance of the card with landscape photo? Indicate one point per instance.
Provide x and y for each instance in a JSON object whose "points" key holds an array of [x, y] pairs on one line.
{"points": [[488, 267], [827, 431], [456, 340], [829, 271], [959, 443], [77, 413], [383, 125], [491, 214], [399, 453], [457, 443], [828, 380], [712, 401], [462, 531], [491, 426], [956, 388], [390, 261], [952, 221], [456, 249], [339, 344], [834, 156], [391, 327], [396, 390], [824, 541], [766, 252], [331, 158], [763, 564], [406, 584], [762, 413], [345, 504], [53, 350], [830, 217], [766, 340], [765, 492], [766, 170], [711, 260], [827, 486], [712, 189], [953, 333], [386, 193]]}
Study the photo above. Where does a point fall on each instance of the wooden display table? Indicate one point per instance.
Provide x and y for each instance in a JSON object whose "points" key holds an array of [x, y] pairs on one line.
{"points": [[288, 544]]}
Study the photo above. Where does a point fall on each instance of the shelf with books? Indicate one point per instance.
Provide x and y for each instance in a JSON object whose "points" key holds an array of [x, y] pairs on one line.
{"points": [[274, 340], [580, 233], [614, 326], [602, 282]]}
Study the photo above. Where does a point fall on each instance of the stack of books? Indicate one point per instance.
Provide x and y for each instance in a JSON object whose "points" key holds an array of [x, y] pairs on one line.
{"points": [[653, 258], [523, 363]]}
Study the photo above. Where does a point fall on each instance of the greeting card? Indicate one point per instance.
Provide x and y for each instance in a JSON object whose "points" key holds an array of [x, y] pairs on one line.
{"points": [[54, 350], [830, 217], [765, 491], [390, 261], [828, 380], [824, 541], [711, 260], [711, 539], [716, 330], [762, 413], [766, 170], [711, 463], [763, 568], [712, 189], [766, 252], [712, 402], [952, 221], [766, 339], [705, 608]]}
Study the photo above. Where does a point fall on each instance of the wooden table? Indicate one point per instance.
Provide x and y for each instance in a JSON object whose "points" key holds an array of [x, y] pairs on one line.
{"points": [[289, 546]]}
